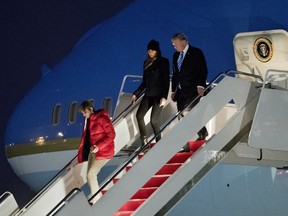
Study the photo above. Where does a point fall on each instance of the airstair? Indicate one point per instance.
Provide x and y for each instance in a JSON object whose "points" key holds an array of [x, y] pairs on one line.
{"points": [[129, 181]]}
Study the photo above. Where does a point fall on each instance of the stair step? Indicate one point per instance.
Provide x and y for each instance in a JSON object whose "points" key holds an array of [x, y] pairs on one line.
{"points": [[156, 181], [131, 205], [168, 169], [144, 193], [140, 156], [123, 213], [180, 157], [195, 145], [128, 167]]}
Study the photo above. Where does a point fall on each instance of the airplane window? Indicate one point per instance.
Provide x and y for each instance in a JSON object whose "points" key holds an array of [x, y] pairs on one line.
{"points": [[56, 114], [92, 101], [72, 112], [107, 105]]}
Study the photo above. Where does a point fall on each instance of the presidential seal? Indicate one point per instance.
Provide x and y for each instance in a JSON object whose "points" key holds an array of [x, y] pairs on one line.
{"points": [[263, 49]]}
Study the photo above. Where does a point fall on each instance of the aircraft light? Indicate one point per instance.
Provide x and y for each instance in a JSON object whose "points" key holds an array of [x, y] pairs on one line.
{"points": [[40, 141], [60, 134]]}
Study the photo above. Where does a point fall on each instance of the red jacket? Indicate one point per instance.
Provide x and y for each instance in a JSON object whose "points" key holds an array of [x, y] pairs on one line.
{"points": [[102, 135]]}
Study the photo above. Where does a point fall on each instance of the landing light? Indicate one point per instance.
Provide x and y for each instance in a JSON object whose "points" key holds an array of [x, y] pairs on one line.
{"points": [[40, 141], [60, 134]]}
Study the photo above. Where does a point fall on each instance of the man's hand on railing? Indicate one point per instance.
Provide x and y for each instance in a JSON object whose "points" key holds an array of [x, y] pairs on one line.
{"points": [[162, 102]]}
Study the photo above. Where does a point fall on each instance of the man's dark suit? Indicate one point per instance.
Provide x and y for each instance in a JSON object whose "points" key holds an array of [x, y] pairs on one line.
{"points": [[193, 73]]}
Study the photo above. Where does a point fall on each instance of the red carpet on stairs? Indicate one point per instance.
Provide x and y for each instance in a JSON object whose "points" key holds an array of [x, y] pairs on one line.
{"points": [[157, 180], [195, 145]]}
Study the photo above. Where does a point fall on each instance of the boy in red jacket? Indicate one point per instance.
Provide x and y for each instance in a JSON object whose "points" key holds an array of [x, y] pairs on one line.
{"points": [[97, 143]]}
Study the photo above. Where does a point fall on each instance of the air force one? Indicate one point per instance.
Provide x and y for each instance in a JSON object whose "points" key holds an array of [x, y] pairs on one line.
{"points": [[239, 170]]}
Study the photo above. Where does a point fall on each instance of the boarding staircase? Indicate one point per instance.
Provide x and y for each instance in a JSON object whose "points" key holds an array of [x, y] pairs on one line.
{"points": [[126, 192]]}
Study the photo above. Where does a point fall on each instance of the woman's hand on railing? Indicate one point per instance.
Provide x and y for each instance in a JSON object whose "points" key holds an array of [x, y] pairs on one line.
{"points": [[201, 90], [133, 99]]}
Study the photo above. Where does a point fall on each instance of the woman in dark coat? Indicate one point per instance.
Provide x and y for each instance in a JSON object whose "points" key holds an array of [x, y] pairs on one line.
{"points": [[155, 84]]}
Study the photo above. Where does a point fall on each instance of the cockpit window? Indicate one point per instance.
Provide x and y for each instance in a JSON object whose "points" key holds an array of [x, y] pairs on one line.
{"points": [[56, 114], [107, 105], [72, 112]]}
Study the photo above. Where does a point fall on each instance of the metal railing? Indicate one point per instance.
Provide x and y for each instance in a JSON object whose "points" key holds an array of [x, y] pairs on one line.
{"points": [[8, 204]]}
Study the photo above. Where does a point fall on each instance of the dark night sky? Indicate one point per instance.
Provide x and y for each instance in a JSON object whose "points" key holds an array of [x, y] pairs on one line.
{"points": [[33, 33]]}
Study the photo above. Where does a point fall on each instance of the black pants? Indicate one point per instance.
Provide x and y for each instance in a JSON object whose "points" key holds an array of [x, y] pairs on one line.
{"points": [[155, 117], [183, 101]]}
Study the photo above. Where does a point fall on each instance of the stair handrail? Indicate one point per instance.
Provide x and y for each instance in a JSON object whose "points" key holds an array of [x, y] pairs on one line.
{"points": [[8, 203], [71, 194], [245, 74], [273, 71], [121, 92], [4, 196]]}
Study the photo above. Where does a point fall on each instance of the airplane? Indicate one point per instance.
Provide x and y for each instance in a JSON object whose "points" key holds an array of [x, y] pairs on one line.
{"points": [[43, 133]]}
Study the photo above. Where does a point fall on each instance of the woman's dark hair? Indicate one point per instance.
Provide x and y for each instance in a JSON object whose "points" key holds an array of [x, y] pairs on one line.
{"points": [[153, 45]]}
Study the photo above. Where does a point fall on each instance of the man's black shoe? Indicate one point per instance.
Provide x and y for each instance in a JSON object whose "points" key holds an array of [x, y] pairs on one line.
{"points": [[202, 136], [185, 148]]}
